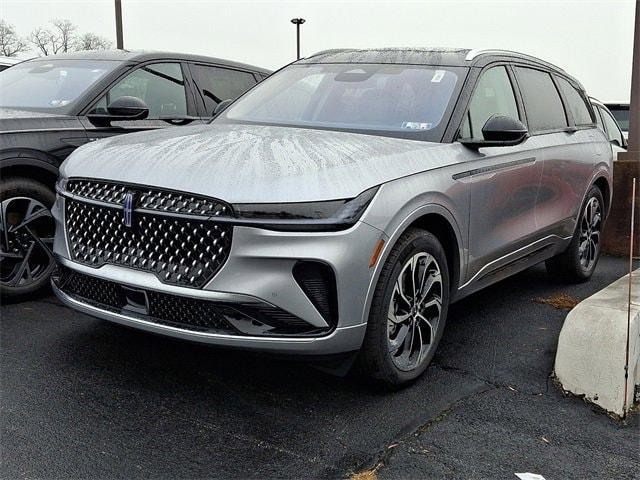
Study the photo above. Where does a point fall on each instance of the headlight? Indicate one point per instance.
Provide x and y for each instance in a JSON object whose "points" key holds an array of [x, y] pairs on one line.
{"points": [[304, 216]]}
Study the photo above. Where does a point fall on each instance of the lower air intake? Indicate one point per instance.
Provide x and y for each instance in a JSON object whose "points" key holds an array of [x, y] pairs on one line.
{"points": [[318, 282]]}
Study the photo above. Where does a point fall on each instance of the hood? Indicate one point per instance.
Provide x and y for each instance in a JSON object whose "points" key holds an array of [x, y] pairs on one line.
{"points": [[262, 164], [21, 120]]}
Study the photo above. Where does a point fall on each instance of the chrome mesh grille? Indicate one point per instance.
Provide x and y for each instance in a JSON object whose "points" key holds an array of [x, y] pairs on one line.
{"points": [[179, 251], [149, 198]]}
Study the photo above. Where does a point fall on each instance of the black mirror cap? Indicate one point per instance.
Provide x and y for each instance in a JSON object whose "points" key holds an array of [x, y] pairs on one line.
{"points": [[499, 131], [222, 106], [123, 108], [127, 107]]}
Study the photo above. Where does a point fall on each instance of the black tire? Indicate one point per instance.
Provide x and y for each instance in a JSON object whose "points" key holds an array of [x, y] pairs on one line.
{"points": [[40, 263], [569, 266], [375, 362]]}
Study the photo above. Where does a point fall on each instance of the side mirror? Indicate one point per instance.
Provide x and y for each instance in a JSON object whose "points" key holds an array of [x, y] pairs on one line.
{"points": [[123, 108], [222, 106], [499, 131]]}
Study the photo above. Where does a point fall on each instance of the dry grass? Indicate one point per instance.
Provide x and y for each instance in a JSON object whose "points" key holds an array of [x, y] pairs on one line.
{"points": [[561, 301], [371, 474]]}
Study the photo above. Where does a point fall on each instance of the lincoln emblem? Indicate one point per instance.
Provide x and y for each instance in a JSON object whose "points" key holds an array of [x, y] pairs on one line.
{"points": [[129, 199]]}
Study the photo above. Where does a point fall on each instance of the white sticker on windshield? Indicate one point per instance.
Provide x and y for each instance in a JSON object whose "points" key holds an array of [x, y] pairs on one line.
{"points": [[58, 102], [439, 75], [417, 125]]}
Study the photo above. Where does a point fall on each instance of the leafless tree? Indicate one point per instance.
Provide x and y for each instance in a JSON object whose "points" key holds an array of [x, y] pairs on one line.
{"points": [[63, 38], [41, 39], [58, 40], [10, 42], [91, 41]]}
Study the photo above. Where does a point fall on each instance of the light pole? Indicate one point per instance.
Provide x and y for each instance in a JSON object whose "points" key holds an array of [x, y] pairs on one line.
{"points": [[626, 167], [297, 22], [119, 39]]}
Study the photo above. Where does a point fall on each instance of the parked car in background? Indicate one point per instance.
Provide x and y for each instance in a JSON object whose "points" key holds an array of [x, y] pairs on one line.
{"points": [[50, 106], [620, 112], [340, 206], [609, 126], [6, 62]]}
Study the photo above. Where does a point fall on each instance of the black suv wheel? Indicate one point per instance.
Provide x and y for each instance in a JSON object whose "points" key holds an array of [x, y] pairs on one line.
{"points": [[26, 237]]}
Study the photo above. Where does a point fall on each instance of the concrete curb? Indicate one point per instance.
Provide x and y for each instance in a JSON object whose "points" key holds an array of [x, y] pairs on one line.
{"points": [[590, 359]]}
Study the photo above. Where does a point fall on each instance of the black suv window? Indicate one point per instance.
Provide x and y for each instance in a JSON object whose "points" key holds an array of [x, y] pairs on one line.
{"points": [[159, 85], [541, 100], [217, 84], [576, 102], [493, 96]]}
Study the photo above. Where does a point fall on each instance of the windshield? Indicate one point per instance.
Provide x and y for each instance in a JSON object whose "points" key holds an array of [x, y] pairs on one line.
{"points": [[622, 116], [398, 100], [50, 86]]}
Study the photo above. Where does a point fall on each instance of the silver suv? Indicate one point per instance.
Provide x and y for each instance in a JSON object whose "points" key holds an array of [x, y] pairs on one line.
{"points": [[340, 206]]}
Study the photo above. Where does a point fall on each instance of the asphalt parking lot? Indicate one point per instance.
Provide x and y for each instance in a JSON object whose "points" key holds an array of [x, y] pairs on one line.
{"points": [[85, 398]]}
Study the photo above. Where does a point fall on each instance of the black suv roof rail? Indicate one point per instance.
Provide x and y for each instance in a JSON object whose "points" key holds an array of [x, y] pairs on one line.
{"points": [[473, 54]]}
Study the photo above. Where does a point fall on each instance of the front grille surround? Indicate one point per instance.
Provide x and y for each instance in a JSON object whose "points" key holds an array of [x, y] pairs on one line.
{"points": [[150, 198], [169, 237]]}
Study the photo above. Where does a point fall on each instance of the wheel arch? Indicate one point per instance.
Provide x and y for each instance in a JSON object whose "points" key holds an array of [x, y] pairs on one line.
{"points": [[443, 230], [37, 169], [439, 221], [603, 184]]}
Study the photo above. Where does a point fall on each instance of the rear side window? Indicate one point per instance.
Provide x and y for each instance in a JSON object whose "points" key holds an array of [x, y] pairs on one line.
{"points": [[576, 103], [493, 95], [613, 131], [541, 100], [217, 84]]}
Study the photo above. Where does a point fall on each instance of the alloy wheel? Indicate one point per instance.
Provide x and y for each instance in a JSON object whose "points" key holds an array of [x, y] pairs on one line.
{"points": [[414, 312], [26, 241], [590, 226]]}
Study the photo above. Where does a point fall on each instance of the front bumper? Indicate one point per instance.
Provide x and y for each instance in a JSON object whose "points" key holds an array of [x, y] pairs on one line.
{"points": [[258, 270]]}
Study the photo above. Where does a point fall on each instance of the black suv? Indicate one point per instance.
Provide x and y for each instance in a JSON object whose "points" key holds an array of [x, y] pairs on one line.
{"points": [[49, 106]]}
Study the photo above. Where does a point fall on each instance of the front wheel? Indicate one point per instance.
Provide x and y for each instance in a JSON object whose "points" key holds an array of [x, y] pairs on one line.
{"points": [[578, 262], [26, 237], [408, 311]]}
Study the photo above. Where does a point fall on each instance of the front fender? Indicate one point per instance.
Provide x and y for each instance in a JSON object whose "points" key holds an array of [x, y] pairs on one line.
{"points": [[415, 207]]}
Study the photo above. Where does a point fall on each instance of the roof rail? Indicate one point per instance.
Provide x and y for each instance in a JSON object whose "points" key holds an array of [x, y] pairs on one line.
{"points": [[472, 54]]}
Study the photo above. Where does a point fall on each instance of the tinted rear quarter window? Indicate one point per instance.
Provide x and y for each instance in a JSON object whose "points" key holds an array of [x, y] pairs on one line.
{"points": [[576, 102], [541, 100], [217, 84]]}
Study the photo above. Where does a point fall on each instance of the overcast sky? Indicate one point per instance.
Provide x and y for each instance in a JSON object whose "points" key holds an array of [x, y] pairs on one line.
{"points": [[591, 39]]}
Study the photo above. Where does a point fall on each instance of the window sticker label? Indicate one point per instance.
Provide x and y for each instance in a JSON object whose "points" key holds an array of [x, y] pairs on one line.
{"points": [[417, 125], [438, 75]]}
